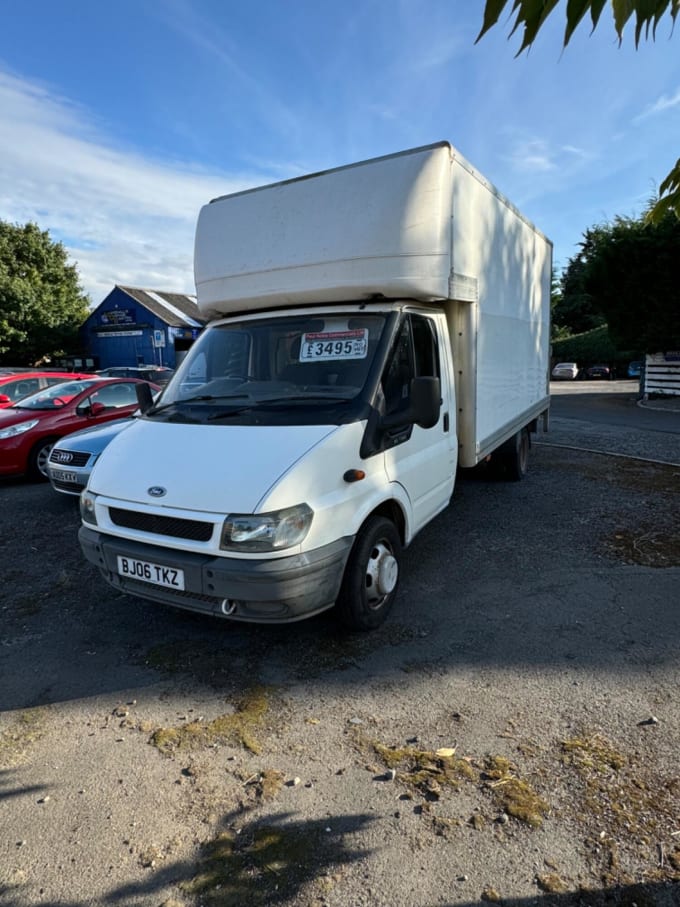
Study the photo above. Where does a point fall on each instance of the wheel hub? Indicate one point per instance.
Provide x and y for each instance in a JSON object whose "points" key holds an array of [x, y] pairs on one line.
{"points": [[382, 573], [43, 458]]}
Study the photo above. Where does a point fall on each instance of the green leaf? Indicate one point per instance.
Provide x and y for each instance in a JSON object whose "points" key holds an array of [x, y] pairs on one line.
{"points": [[672, 181], [669, 197], [492, 12], [596, 8], [536, 12], [661, 8], [646, 15], [576, 10], [532, 14], [623, 10]]}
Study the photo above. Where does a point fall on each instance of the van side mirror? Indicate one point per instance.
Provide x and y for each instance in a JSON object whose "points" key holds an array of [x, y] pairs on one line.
{"points": [[426, 401], [144, 396], [424, 404]]}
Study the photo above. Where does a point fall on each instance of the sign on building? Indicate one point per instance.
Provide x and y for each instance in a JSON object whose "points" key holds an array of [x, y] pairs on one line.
{"points": [[118, 316]]}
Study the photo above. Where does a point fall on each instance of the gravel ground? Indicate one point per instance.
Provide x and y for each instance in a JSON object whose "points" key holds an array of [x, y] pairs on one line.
{"points": [[612, 440], [510, 735], [661, 443]]}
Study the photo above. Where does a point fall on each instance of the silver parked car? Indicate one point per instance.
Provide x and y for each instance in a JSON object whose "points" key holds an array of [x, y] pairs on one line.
{"points": [[565, 371], [72, 457]]}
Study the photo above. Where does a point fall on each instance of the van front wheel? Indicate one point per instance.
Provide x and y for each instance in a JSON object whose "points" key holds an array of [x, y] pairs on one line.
{"points": [[369, 585]]}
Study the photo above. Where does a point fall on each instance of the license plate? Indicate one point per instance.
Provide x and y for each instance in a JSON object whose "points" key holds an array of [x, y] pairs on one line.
{"points": [[148, 572], [60, 476]]}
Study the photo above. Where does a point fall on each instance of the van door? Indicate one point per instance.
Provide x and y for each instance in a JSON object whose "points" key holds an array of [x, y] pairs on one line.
{"points": [[422, 460]]}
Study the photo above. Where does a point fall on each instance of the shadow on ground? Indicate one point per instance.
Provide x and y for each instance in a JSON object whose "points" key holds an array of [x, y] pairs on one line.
{"points": [[526, 573], [248, 863]]}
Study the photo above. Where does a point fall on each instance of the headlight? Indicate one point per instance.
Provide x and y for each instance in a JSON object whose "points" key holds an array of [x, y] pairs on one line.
{"points": [[18, 429], [87, 501], [266, 531]]}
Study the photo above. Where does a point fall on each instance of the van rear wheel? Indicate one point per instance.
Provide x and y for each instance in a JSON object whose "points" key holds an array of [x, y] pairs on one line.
{"points": [[369, 585], [512, 458]]}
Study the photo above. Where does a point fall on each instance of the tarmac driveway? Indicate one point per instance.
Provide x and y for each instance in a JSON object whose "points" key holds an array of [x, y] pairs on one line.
{"points": [[511, 732]]}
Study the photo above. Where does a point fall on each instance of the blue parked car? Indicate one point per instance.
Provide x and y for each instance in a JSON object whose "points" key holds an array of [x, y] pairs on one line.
{"points": [[72, 458], [634, 369]]}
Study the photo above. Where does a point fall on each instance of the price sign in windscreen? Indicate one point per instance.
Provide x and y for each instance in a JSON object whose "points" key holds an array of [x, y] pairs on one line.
{"points": [[329, 346]]}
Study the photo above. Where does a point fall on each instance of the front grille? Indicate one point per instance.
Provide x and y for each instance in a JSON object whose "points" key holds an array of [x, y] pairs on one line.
{"points": [[196, 530], [133, 586], [75, 457], [74, 487], [191, 601]]}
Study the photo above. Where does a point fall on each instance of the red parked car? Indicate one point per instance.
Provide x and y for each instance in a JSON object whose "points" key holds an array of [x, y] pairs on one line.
{"points": [[598, 371], [14, 386], [29, 428]]}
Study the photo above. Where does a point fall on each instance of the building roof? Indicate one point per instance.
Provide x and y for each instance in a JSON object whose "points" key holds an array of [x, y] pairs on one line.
{"points": [[175, 309]]}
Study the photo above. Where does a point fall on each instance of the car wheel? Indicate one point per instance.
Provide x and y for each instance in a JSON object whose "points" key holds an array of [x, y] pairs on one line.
{"points": [[369, 585], [37, 460]]}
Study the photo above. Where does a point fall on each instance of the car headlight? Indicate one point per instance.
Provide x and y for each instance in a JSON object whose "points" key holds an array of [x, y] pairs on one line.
{"points": [[266, 531], [18, 429], [87, 505]]}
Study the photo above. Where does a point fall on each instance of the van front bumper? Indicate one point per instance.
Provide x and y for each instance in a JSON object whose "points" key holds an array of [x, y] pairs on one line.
{"points": [[279, 590]]}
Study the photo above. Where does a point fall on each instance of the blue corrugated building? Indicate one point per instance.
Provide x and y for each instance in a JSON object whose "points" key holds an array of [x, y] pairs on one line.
{"points": [[133, 326]]}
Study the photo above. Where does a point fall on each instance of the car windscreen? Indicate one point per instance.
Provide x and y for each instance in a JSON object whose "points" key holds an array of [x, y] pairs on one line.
{"points": [[56, 396]]}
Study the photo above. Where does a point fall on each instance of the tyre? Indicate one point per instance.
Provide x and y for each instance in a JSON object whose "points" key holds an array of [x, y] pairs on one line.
{"points": [[512, 458], [37, 460], [369, 585]]}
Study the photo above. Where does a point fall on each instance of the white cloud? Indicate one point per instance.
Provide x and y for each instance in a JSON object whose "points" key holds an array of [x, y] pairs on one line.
{"points": [[659, 106], [123, 217], [580, 153], [438, 54], [536, 156], [532, 155]]}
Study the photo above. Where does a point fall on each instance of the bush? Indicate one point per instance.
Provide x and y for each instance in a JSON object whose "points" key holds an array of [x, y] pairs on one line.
{"points": [[592, 347]]}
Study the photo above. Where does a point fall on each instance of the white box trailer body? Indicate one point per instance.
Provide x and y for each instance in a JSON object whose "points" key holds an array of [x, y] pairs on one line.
{"points": [[422, 225], [374, 327]]}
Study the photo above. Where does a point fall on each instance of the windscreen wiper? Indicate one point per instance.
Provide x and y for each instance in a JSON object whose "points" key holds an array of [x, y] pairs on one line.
{"points": [[200, 398], [282, 402], [303, 398]]}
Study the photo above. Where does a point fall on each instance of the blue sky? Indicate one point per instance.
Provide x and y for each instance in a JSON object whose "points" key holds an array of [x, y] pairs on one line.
{"points": [[118, 121]]}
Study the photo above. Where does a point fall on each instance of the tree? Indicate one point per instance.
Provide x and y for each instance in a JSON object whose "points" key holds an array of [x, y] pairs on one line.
{"points": [[531, 14], [591, 347], [627, 275], [577, 311], [557, 329], [631, 270], [42, 304]]}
